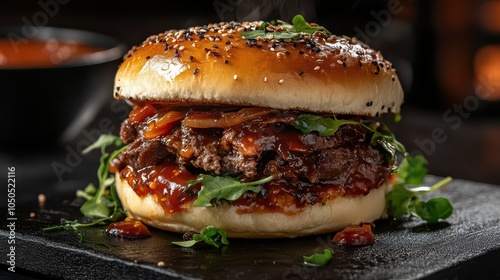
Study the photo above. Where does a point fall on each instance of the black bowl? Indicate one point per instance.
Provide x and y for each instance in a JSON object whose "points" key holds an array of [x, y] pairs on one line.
{"points": [[46, 107]]}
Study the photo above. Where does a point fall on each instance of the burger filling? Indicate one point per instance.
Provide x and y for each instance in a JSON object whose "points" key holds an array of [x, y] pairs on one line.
{"points": [[169, 147]]}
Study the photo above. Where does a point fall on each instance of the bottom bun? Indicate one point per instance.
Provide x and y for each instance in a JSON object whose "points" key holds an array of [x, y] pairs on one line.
{"points": [[331, 216]]}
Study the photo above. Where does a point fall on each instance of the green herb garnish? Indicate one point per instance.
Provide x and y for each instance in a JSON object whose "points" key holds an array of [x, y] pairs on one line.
{"points": [[319, 258], [102, 204], [286, 31], [411, 172], [328, 126], [210, 235], [224, 188], [404, 198]]}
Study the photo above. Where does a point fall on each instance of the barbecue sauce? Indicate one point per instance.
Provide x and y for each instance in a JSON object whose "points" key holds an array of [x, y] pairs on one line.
{"points": [[26, 53], [128, 228]]}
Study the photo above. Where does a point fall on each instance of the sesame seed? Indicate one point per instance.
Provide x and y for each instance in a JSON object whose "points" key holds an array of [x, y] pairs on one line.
{"points": [[265, 79], [196, 70], [316, 68], [301, 72], [281, 81], [226, 61], [148, 57], [191, 58], [339, 61], [235, 77], [181, 48], [369, 104]]}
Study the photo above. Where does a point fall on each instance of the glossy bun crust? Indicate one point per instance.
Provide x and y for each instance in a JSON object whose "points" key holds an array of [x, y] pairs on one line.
{"points": [[332, 216], [214, 65]]}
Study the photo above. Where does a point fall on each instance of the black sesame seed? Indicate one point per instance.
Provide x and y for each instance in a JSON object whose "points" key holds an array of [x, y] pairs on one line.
{"points": [[216, 54], [228, 42], [196, 70], [369, 104], [230, 36], [191, 58], [176, 53], [301, 72], [301, 52], [206, 49], [287, 53], [215, 46], [166, 46], [226, 61], [148, 57], [383, 107]]}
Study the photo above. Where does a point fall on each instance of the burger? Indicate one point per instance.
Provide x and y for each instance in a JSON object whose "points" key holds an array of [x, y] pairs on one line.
{"points": [[260, 129]]}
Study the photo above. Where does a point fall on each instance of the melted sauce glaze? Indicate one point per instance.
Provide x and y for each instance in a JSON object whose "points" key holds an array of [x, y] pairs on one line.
{"points": [[167, 180]]}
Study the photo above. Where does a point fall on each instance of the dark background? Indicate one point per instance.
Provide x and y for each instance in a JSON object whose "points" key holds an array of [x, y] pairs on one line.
{"points": [[441, 49]]}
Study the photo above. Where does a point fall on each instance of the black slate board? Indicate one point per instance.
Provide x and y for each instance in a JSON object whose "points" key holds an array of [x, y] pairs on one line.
{"points": [[466, 246]]}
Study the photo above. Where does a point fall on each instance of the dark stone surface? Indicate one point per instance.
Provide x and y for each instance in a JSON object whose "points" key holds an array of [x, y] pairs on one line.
{"points": [[466, 245]]}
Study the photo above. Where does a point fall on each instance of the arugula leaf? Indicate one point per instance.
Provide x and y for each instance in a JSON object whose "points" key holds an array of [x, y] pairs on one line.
{"points": [[433, 209], [290, 31], [224, 188], [101, 204], [76, 225], [319, 258], [102, 142], [381, 136], [324, 126], [411, 171], [403, 200], [210, 235], [300, 25]]}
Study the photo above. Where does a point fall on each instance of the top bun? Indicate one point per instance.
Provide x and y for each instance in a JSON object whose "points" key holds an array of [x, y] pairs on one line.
{"points": [[214, 65]]}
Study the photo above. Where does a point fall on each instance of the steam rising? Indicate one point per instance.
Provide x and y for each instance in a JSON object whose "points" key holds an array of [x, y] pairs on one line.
{"points": [[250, 10]]}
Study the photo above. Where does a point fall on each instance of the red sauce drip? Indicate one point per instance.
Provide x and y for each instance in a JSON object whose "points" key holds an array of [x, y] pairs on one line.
{"points": [[355, 236], [128, 228], [166, 182]]}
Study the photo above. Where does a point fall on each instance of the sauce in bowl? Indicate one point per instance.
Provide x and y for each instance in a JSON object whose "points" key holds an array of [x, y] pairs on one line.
{"points": [[27, 53]]}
